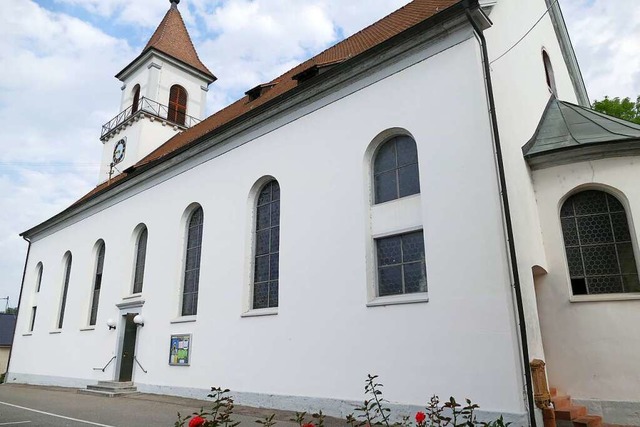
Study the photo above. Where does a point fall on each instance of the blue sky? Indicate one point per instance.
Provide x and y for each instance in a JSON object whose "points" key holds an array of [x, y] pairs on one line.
{"points": [[59, 58]]}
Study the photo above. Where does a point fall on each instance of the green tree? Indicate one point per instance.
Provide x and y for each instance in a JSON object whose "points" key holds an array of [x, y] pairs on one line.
{"points": [[12, 310], [624, 109]]}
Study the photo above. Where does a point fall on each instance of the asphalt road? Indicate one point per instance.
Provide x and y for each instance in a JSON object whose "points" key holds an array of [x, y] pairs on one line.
{"points": [[31, 406]]}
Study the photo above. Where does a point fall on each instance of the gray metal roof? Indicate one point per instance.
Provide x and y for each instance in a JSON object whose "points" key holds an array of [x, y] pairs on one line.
{"points": [[569, 133], [7, 325]]}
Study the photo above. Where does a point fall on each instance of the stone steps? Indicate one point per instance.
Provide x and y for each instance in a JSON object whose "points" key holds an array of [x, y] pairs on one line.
{"points": [[565, 414], [110, 389]]}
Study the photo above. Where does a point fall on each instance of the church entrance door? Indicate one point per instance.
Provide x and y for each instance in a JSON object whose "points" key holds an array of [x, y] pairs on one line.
{"points": [[128, 348]]}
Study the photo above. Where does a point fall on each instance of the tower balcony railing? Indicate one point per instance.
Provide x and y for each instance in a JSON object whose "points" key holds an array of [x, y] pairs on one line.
{"points": [[152, 108]]}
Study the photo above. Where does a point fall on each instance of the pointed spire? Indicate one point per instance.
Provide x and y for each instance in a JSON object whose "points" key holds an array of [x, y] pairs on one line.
{"points": [[172, 38]]}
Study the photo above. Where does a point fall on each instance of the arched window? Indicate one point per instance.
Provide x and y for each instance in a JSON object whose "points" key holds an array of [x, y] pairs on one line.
{"points": [[548, 70], [136, 99], [395, 169], [598, 244], [177, 104], [267, 247], [39, 269], [65, 288], [192, 263], [34, 309], [97, 284], [141, 255]]}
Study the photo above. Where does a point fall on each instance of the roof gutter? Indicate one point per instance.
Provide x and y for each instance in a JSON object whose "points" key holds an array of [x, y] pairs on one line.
{"points": [[15, 326], [513, 260]]}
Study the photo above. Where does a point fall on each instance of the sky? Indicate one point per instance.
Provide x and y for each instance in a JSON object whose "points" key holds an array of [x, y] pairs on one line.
{"points": [[58, 58]]}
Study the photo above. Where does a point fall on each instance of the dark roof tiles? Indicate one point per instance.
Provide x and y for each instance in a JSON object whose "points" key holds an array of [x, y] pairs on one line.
{"points": [[171, 37], [7, 327]]}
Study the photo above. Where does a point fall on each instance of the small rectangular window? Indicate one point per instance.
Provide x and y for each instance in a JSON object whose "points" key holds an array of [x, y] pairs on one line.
{"points": [[32, 323], [401, 264]]}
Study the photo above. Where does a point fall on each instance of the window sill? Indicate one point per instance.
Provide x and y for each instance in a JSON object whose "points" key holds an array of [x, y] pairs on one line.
{"points": [[88, 328], [28, 334], [399, 299], [399, 199], [261, 312], [184, 319], [56, 332], [605, 297], [132, 296]]}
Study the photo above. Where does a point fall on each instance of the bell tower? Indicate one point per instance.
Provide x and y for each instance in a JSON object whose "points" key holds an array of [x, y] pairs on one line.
{"points": [[164, 92]]}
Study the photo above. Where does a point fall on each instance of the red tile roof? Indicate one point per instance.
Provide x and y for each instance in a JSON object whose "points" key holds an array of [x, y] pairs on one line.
{"points": [[384, 29], [172, 38]]}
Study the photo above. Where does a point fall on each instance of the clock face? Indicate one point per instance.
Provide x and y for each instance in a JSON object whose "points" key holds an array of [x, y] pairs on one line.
{"points": [[118, 151]]}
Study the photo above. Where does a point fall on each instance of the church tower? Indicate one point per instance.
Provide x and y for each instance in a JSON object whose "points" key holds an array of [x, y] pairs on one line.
{"points": [[164, 91]]}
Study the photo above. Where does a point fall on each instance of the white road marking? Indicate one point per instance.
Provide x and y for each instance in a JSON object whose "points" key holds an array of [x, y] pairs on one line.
{"points": [[15, 423], [54, 415]]}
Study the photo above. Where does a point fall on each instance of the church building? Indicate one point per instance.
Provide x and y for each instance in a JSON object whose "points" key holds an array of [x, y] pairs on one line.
{"points": [[430, 200]]}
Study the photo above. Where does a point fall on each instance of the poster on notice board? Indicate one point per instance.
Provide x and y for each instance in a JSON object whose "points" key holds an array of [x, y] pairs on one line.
{"points": [[180, 350]]}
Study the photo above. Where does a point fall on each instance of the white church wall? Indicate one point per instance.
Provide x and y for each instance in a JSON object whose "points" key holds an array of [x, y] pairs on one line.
{"points": [[143, 134], [324, 339], [521, 94], [170, 75], [155, 75], [591, 342]]}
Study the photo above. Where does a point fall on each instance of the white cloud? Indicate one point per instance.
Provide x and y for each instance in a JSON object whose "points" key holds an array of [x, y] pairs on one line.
{"points": [[145, 13], [606, 37], [55, 93], [58, 87], [258, 40]]}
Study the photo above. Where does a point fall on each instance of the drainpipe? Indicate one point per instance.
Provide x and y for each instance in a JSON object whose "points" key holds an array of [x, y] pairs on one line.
{"points": [[513, 260], [24, 273]]}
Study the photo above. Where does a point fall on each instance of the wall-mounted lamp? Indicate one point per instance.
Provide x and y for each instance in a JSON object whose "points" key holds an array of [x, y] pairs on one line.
{"points": [[111, 324], [138, 320]]}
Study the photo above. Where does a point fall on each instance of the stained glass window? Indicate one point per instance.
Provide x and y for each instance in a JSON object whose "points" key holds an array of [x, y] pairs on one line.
{"points": [[192, 263], [267, 247], [598, 244]]}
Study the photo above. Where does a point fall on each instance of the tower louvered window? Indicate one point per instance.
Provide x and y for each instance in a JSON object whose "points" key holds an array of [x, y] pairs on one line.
{"points": [[177, 104], [598, 244], [136, 99]]}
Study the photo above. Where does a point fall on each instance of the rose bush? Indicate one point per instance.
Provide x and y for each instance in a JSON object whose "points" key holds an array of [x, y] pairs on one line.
{"points": [[373, 412], [197, 422]]}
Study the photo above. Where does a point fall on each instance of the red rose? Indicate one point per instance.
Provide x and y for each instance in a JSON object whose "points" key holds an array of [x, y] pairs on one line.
{"points": [[420, 417], [308, 425], [197, 422]]}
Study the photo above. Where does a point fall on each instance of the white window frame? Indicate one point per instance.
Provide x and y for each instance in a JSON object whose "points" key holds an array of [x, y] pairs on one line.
{"points": [[390, 218]]}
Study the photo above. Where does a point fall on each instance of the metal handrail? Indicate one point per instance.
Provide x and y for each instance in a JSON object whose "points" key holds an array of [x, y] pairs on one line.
{"points": [[138, 362], [151, 107], [105, 366]]}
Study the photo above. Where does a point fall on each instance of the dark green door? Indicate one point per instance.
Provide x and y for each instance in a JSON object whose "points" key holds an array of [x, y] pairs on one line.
{"points": [[128, 348]]}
